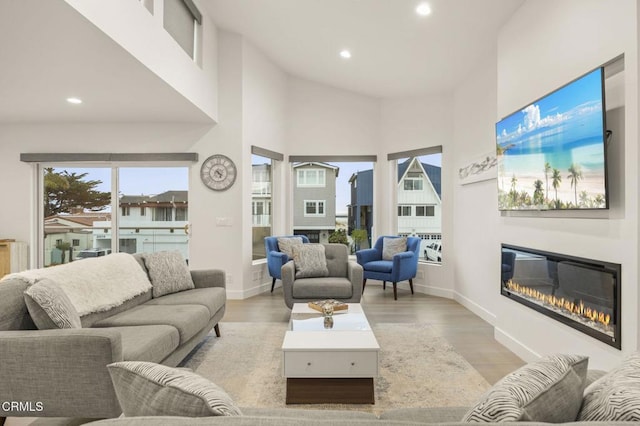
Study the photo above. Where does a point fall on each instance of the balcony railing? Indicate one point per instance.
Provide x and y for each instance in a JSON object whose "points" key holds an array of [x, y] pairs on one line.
{"points": [[261, 220], [261, 188]]}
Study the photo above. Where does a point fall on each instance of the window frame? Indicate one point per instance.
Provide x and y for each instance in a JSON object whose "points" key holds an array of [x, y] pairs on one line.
{"points": [[321, 181], [318, 204]]}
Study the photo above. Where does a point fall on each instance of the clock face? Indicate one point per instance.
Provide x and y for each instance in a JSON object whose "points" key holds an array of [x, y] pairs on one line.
{"points": [[218, 172]]}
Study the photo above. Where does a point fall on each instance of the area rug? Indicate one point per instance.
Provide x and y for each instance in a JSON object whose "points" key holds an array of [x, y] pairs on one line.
{"points": [[418, 368]]}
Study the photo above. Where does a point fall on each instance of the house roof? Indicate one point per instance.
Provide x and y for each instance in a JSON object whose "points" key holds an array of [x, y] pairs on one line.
{"points": [[165, 197], [434, 173], [84, 219], [318, 164]]}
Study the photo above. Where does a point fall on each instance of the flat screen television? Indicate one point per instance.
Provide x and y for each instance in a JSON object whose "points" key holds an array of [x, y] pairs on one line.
{"points": [[551, 153]]}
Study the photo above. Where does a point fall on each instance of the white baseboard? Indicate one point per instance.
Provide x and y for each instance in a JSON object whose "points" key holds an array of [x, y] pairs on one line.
{"points": [[515, 346], [250, 292], [433, 291], [475, 308]]}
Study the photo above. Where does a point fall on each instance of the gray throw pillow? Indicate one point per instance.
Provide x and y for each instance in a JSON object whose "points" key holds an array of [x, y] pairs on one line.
{"points": [[310, 261], [168, 272], [50, 307], [149, 389], [548, 390], [286, 245], [615, 397], [393, 246]]}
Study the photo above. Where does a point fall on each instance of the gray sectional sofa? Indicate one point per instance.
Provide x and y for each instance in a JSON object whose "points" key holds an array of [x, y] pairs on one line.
{"points": [[62, 372]]}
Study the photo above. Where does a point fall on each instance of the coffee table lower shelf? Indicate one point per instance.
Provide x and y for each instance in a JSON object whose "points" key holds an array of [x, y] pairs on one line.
{"points": [[330, 391]]}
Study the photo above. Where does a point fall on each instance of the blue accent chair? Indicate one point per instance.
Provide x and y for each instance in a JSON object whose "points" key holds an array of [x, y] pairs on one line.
{"points": [[404, 266], [275, 258]]}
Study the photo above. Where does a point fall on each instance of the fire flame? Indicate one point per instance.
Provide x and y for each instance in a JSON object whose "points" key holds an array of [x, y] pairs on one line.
{"points": [[561, 303]]}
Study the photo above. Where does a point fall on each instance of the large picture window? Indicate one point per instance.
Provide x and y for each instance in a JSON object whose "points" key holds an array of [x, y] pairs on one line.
{"points": [[418, 198], [263, 162], [311, 177], [79, 211]]}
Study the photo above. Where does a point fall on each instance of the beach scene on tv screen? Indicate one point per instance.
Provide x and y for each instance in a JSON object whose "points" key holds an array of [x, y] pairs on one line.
{"points": [[551, 153]]}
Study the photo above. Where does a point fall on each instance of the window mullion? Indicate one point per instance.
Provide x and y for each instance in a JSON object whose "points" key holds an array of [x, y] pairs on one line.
{"points": [[115, 217]]}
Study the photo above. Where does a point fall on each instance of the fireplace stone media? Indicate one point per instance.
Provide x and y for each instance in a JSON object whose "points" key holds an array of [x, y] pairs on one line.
{"points": [[581, 293]]}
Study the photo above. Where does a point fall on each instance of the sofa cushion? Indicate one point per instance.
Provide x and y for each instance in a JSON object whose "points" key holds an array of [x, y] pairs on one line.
{"points": [[213, 298], [322, 288], [14, 314], [548, 390], [168, 272], [310, 261], [615, 396], [379, 266], [148, 389], [187, 319], [286, 244], [92, 318], [392, 246], [425, 415], [50, 307], [148, 342]]}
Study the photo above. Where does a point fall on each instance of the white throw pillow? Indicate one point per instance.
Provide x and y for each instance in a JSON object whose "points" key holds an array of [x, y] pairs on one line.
{"points": [[286, 245], [168, 272], [310, 261], [392, 246]]}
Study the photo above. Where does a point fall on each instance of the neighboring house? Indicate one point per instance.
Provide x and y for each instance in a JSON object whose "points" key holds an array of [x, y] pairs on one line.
{"points": [[361, 207], [419, 201], [149, 223], [314, 200], [261, 203], [75, 228]]}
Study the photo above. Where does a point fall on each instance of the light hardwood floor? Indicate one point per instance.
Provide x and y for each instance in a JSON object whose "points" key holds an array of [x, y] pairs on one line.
{"points": [[471, 336]]}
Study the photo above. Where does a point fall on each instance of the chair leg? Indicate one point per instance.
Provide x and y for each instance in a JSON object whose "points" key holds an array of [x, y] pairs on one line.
{"points": [[273, 284], [216, 328], [411, 284], [395, 291], [384, 285], [364, 283]]}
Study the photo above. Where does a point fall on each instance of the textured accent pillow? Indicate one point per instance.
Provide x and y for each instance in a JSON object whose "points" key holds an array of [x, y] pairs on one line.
{"points": [[615, 396], [168, 272], [286, 245], [50, 307], [393, 246], [149, 389], [310, 261], [548, 390]]}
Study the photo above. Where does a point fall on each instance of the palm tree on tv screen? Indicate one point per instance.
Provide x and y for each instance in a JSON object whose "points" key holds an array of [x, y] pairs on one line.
{"points": [[555, 181], [575, 174], [547, 169]]}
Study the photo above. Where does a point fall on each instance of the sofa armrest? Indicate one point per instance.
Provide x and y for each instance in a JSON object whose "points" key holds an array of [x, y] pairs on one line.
{"points": [[61, 373], [288, 273], [355, 274], [209, 278]]}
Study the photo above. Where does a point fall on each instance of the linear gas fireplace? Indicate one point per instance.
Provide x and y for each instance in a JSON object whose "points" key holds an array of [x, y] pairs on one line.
{"points": [[581, 293]]}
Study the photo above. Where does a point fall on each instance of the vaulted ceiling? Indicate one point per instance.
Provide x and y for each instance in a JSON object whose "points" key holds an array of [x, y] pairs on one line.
{"points": [[50, 52]]}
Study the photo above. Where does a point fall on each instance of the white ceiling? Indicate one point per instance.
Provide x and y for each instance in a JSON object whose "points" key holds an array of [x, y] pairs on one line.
{"points": [[49, 52], [395, 51]]}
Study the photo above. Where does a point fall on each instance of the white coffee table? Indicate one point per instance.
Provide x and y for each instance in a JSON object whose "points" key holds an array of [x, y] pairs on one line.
{"points": [[329, 365]]}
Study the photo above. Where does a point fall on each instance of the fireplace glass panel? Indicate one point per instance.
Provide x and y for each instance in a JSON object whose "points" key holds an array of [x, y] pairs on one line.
{"points": [[581, 293]]}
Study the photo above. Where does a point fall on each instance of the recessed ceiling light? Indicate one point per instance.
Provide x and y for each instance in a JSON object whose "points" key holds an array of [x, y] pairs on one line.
{"points": [[74, 100], [345, 54], [423, 9]]}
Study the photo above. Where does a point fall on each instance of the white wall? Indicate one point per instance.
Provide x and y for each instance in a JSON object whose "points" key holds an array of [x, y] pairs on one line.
{"points": [[545, 45], [144, 37], [407, 124]]}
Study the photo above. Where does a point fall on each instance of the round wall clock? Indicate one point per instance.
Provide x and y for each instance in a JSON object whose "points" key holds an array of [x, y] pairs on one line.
{"points": [[218, 172]]}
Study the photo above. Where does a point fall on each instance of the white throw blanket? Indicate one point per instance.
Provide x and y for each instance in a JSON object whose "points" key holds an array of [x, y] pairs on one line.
{"points": [[97, 284]]}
